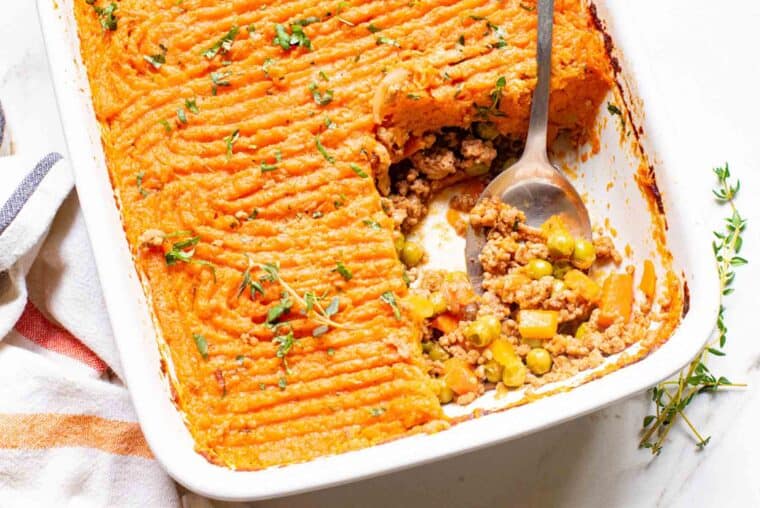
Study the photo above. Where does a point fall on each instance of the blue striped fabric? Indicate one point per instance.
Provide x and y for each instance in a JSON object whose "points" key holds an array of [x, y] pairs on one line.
{"points": [[2, 124], [25, 189]]}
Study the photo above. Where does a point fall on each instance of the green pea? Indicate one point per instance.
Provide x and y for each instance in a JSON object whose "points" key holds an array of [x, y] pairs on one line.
{"points": [[514, 374], [437, 353], [445, 395], [583, 331], [561, 244], [398, 241], [561, 268], [486, 130], [477, 169], [584, 254], [538, 268], [483, 330], [439, 303], [411, 254], [493, 371], [539, 361]]}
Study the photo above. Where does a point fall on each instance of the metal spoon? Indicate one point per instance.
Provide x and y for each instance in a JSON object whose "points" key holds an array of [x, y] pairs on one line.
{"points": [[533, 184]]}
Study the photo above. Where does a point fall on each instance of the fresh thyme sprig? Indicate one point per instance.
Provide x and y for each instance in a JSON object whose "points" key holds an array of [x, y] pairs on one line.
{"points": [[672, 397], [309, 302]]}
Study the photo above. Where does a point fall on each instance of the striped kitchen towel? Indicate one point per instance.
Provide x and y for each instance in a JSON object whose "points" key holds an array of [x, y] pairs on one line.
{"points": [[68, 433]]}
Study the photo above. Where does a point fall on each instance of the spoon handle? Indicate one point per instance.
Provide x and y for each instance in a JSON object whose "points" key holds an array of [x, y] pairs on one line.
{"points": [[535, 145]]}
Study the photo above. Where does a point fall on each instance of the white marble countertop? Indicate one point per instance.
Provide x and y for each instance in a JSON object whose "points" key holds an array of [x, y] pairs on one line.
{"points": [[705, 57]]}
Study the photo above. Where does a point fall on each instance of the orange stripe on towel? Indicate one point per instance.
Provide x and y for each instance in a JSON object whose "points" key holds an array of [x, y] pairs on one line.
{"points": [[36, 327], [39, 431]]}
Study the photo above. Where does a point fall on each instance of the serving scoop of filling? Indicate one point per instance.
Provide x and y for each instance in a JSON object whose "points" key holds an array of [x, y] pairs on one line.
{"points": [[548, 311]]}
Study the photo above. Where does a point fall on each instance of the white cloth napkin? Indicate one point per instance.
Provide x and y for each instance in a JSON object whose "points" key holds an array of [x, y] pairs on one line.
{"points": [[68, 432]]}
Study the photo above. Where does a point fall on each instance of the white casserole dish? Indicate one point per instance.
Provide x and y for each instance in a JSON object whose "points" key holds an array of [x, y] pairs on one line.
{"points": [[136, 339]]}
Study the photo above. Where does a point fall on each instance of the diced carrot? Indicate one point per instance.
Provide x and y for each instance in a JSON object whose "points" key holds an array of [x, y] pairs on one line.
{"points": [[419, 307], [446, 323], [648, 279], [617, 298], [537, 324], [554, 223], [459, 376], [584, 285], [502, 351]]}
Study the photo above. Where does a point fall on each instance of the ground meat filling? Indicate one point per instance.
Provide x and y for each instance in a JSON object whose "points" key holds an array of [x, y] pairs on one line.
{"points": [[541, 318], [438, 161]]}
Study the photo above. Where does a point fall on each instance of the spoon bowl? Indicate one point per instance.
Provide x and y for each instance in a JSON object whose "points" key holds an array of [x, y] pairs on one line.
{"points": [[533, 185]]}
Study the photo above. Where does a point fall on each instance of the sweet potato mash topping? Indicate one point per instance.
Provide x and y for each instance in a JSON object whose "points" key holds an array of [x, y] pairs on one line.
{"points": [[240, 138]]}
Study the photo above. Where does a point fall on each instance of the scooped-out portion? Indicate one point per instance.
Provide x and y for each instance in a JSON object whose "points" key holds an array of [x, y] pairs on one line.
{"points": [[553, 306]]}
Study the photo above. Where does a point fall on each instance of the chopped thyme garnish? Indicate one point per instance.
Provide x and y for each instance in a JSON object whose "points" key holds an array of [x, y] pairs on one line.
{"points": [[330, 351], [386, 40], [296, 37], [279, 309], [493, 108], [329, 158], [271, 272], [343, 271], [307, 21], [333, 308], [371, 224], [183, 251], [219, 79], [266, 167], [266, 65], [377, 411], [230, 142], [248, 282], [178, 251], [201, 344], [310, 303], [359, 171], [282, 383], [166, 124], [321, 98], [106, 15], [373, 29], [191, 106], [614, 110], [323, 76], [224, 44], [413, 96], [240, 359], [158, 59], [250, 28], [285, 343], [140, 177], [389, 298], [316, 215], [181, 115]]}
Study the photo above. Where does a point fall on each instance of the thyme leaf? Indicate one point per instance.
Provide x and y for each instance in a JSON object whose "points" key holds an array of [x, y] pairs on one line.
{"points": [[389, 298], [201, 344], [224, 44]]}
